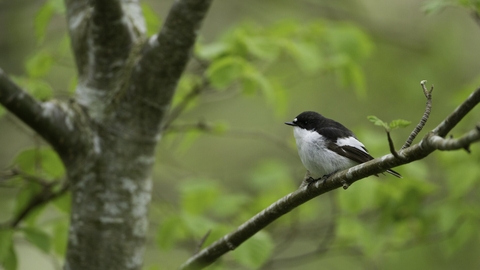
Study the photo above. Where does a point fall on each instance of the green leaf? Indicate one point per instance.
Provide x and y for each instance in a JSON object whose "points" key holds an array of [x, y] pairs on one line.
{"points": [[31, 218], [151, 19], [40, 160], [464, 232], [197, 225], [42, 19], [44, 16], [349, 40], [6, 242], [224, 71], [259, 81], [399, 123], [220, 128], [436, 6], [281, 98], [211, 51], [72, 85], [307, 55], [2, 111], [24, 196], [255, 251], [270, 173], [37, 87], [230, 205], [38, 238], [39, 64], [63, 203], [447, 217], [262, 48], [199, 195], [188, 139], [11, 261], [355, 77], [60, 237], [169, 232], [376, 121]]}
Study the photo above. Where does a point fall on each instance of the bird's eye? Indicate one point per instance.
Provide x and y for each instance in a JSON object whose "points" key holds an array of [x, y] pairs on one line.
{"points": [[295, 120]]}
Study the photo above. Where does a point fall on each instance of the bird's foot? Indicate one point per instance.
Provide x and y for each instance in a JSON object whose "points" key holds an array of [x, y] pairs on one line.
{"points": [[323, 179]]}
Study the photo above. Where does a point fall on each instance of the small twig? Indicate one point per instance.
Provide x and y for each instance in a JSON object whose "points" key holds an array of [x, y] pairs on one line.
{"points": [[44, 196], [391, 145], [476, 17], [426, 114], [175, 113], [202, 241], [32, 178]]}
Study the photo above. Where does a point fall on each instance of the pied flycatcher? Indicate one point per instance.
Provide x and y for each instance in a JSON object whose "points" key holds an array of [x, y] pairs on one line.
{"points": [[326, 146]]}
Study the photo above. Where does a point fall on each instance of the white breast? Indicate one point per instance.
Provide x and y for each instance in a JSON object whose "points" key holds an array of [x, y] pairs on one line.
{"points": [[315, 155]]}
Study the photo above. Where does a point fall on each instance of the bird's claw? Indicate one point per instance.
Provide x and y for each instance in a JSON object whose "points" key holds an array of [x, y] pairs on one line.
{"points": [[311, 180]]}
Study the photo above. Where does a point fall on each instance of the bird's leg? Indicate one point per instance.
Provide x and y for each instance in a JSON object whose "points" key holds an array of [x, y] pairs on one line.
{"points": [[324, 178]]}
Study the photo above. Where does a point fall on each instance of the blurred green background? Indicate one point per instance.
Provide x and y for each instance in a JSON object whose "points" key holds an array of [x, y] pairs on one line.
{"points": [[347, 60]]}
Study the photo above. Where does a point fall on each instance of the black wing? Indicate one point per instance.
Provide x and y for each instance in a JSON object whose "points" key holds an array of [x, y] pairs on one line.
{"points": [[350, 152]]}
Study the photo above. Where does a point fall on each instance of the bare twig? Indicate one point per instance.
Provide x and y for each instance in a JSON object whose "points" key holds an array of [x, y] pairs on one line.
{"points": [[418, 151], [391, 145], [196, 90], [476, 17], [45, 195], [31, 178], [202, 241], [426, 114]]}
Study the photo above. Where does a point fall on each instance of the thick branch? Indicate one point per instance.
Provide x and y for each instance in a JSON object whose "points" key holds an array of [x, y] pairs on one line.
{"points": [[452, 120], [103, 34], [418, 151], [55, 121], [455, 144], [157, 72], [112, 32]]}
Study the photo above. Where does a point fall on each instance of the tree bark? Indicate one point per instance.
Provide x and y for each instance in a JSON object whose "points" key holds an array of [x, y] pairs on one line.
{"points": [[106, 136]]}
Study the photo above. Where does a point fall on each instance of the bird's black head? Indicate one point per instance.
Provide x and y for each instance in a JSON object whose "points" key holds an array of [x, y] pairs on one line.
{"points": [[307, 120]]}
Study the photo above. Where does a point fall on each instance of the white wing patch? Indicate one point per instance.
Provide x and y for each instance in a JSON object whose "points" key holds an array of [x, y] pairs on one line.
{"points": [[351, 141]]}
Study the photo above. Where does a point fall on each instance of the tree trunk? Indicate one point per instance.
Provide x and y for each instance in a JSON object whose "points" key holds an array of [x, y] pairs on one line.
{"points": [[106, 136]]}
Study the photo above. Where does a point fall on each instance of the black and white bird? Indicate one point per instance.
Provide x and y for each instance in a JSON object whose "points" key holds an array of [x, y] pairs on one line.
{"points": [[326, 146]]}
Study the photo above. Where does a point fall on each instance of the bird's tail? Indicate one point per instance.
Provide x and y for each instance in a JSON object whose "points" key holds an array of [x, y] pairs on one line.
{"points": [[394, 173]]}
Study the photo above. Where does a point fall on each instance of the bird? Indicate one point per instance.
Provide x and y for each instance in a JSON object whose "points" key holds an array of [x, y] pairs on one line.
{"points": [[325, 146]]}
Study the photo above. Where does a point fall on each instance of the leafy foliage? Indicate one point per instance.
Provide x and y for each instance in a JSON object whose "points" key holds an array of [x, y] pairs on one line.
{"points": [[435, 6], [399, 123], [314, 47], [435, 202]]}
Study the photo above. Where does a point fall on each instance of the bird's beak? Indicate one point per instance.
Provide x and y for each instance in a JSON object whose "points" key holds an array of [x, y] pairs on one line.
{"points": [[290, 124]]}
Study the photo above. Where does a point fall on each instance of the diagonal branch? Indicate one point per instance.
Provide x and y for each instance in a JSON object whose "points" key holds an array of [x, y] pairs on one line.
{"points": [[157, 72], [175, 112], [418, 151], [54, 120], [45, 195], [455, 144]]}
